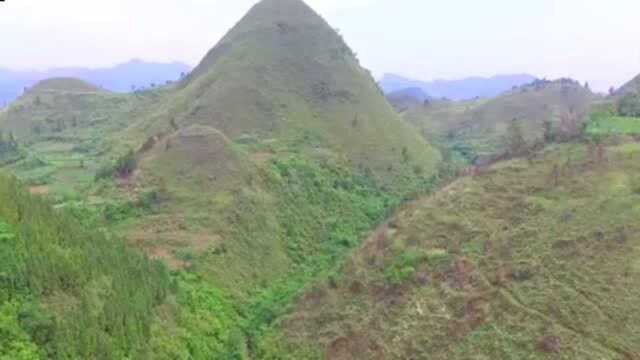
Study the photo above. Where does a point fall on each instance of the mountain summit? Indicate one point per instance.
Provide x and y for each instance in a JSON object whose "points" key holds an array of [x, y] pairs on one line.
{"points": [[283, 72]]}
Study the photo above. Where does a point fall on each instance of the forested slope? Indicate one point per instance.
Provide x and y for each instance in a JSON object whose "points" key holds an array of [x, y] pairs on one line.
{"points": [[70, 293]]}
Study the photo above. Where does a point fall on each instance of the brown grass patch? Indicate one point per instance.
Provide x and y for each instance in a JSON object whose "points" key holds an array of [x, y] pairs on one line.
{"points": [[39, 190]]}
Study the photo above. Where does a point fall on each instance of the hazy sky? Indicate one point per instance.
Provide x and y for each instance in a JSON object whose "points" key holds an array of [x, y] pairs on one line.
{"points": [[591, 40]]}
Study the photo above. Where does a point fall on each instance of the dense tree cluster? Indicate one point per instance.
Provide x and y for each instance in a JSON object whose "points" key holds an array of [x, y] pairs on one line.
{"points": [[66, 292], [630, 105], [9, 149], [7, 143]]}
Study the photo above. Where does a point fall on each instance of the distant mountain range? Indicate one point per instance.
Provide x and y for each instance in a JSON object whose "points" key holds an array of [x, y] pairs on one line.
{"points": [[402, 99], [120, 78], [462, 89]]}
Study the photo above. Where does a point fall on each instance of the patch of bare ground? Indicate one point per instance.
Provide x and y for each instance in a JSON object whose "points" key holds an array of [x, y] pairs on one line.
{"points": [[164, 236], [39, 190], [261, 158], [352, 346]]}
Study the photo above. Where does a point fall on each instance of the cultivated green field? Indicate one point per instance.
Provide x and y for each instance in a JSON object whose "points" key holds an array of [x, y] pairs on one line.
{"points": [[614, 124]]}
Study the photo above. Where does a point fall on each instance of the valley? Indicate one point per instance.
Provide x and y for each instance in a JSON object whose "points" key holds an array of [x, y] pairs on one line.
{"points": [[273, 203]]}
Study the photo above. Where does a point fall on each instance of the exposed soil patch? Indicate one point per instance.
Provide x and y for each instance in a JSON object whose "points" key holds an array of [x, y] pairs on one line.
{"points": [[354, 346], [170, 239], [39, 190]]}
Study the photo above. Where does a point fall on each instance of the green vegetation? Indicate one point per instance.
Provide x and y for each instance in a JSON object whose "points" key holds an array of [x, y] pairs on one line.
{"points": [[257, 180], [66, 292], [630, 105], [249, 184], [614, 124], [615, 117], [482, 128], [507, 265], [9, 149]]}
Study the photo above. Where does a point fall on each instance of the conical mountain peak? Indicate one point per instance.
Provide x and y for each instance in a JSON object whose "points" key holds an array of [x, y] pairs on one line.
{"points": [[282, 71], [268, 20]]}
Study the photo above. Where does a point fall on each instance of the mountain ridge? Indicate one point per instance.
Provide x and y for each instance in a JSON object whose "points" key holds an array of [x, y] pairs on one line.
{"points": [[462, 89], [125, 77]]}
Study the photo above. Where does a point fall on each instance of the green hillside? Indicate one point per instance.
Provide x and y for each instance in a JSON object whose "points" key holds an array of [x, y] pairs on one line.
{"points": [[250, 178], [282, 72], [280, 101], [66, 292], [64, 128], [480, 127], [253, 186], [531, 260], [52, 106]]}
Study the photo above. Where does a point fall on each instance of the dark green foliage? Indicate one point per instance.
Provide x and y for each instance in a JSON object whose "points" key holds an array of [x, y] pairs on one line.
{"points": [[66, 292], [630, 105], [325, 211], [104, 172], [208, 326], [152, 197], [123, 167], [9, 150], [126, 164]]}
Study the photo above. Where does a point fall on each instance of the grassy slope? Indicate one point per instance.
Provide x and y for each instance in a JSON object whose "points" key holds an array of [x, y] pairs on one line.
{"points": [[295, 127], [289, 96], [66, 128], [482, 124], [506, 265], [284, 73]]}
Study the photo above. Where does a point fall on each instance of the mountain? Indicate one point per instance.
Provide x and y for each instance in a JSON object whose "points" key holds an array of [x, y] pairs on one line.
{"points": [[513, 263], [252, 176], [480, 127], [120, 78], [463, 89], [632, 86], [404, 98], [281, 95], [283, 72]]}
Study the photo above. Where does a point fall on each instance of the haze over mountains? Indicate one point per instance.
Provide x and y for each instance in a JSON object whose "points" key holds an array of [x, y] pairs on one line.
{"points": [[120, 78], [463, 89]]}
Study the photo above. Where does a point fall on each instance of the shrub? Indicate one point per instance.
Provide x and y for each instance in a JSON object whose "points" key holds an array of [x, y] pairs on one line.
{"points": [[126, 164], [150, 198], [404, 266], [104, 172], [123, 167], [630, 105]]}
